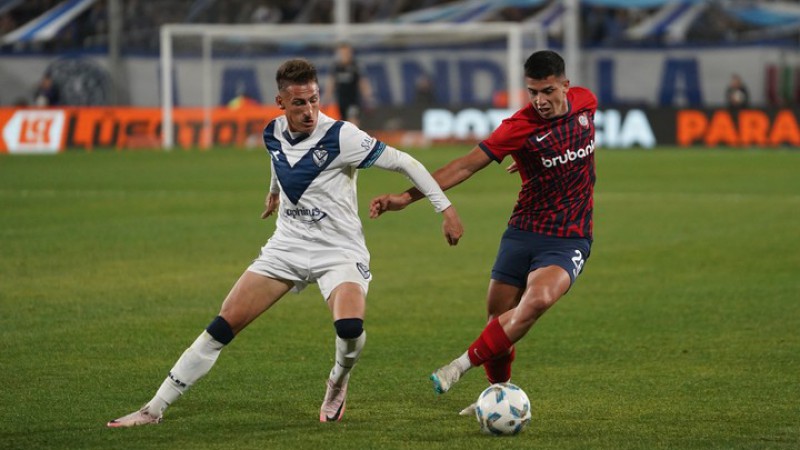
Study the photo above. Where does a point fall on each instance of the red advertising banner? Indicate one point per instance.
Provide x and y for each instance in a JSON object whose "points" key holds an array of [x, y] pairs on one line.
{"points": [[54, 130]]}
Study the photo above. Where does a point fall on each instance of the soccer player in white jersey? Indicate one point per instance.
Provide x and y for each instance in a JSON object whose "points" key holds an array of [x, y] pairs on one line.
{"points": [[318, 238]]}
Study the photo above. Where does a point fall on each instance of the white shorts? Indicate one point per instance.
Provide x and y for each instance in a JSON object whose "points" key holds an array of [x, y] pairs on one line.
{"points": [[308, 263]]}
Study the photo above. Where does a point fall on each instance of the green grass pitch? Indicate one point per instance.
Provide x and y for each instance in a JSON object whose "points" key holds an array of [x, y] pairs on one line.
{"points": [[682, 333]]}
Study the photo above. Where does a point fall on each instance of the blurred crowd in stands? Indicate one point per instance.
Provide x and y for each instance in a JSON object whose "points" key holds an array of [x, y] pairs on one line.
{"points": [[601, 26], [142, 18]]}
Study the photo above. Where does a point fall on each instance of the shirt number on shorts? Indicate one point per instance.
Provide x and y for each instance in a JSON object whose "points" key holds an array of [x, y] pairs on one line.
{"points": [[577, 260]]}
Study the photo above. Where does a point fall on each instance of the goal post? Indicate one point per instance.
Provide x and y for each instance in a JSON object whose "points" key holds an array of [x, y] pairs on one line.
{"points": [[514, 34]]}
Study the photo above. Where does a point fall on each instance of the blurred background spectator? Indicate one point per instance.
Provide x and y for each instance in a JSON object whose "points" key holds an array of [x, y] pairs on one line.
{"points": [[736, 93], [47, 93]]}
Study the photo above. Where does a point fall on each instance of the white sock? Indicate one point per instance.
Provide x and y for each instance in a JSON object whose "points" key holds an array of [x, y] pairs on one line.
{"points": [[347, 354], [463, 363], [195, 362]]}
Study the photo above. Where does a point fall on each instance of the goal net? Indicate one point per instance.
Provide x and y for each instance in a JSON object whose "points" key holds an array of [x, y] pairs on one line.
{"points": [[205, 68]]}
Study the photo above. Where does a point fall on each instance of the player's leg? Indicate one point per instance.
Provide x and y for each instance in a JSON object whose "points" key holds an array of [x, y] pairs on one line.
{"points": [[343, 278], [343, 105], [250, 296], [554, 264], [545, 286], [354, 114], [502, 297], [509, 278], [347, 303]]}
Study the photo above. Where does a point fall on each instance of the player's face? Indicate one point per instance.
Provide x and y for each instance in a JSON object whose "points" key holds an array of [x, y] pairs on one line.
{"points": [[300, 105], [548, 96]]}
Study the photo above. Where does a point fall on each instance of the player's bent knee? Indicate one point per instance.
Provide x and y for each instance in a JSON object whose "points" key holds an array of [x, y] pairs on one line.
{"points": [[541, 304], [349, 328], [220, 330], [541, 299], [533, 308]]}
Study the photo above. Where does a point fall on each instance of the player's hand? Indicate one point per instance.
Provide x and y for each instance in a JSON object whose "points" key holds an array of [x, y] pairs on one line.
{"points": [[512, 168], [451, 226], [388, 202], [271, 202]]}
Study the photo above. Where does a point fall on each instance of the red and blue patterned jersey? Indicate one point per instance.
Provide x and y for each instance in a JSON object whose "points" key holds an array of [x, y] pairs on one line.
{"points": [[555, 158]]}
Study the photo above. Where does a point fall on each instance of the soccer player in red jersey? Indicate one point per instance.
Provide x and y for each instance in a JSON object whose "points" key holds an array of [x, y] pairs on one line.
{"points": [[549, 235]]}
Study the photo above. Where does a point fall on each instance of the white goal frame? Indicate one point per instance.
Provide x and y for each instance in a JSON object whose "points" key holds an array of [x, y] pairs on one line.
{"points": [[514, 33]]}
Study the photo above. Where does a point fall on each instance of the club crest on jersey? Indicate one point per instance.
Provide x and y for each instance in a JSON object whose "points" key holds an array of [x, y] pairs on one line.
{"points": [[583, 120], [319, 155], [364, 270]]}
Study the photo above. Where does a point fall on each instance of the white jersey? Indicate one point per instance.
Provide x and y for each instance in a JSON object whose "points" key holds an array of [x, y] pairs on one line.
{"points": [[317, 175]]}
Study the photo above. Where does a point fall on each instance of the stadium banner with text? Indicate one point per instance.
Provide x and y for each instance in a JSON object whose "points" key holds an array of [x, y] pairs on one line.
{"points": [[681, 77], [463, 75], [28, 131], [615, 127], [89, 128]]}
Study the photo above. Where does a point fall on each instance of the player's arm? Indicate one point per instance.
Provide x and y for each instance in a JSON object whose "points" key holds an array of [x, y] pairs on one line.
{"points": [[452, 174], [426, 186], [273, 196]]}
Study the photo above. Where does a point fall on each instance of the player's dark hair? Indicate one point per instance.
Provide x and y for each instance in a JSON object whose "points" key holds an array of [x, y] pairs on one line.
{"points": [[295, 71], [544, 63]]}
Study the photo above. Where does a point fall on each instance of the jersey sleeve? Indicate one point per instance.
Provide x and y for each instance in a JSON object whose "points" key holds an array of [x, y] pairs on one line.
{"points": [[395, 160], [509, 137], [358, 148]]}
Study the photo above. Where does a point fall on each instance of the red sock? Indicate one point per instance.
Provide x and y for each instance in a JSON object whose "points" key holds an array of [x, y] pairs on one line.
{"points": [[498, 370], [491, 343]]}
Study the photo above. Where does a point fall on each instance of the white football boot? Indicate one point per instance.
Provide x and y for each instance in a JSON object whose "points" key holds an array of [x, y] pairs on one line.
{"points": [[333, 405], [445, 377], [140, 417], [469, 410]]}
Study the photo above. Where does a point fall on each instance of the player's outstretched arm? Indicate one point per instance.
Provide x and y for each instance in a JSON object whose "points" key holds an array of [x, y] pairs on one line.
{"points": [[452, 174], [395, 160], [451, 222], [388, 202]]}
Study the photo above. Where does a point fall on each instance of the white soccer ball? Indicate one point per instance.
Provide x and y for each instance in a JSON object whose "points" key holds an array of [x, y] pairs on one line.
{"points": [[503, 409]]}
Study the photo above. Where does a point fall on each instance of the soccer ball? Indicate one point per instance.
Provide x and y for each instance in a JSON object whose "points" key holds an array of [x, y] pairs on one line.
{"points": [[503, 409]]}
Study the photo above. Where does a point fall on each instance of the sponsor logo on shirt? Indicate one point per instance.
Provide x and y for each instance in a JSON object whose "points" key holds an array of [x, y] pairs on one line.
{"points": [[308, 215], [569, 156]]}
